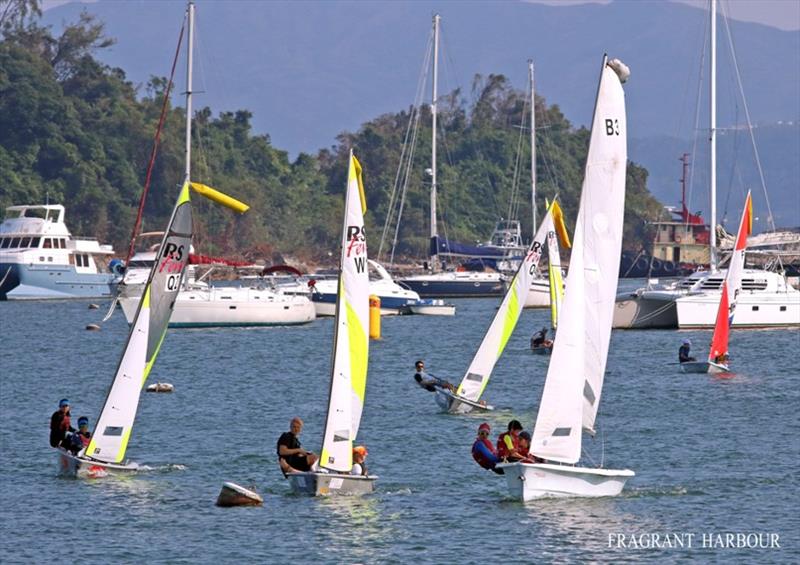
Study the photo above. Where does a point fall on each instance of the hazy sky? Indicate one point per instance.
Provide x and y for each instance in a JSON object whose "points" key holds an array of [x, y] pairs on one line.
{"points": [[782, 14]]}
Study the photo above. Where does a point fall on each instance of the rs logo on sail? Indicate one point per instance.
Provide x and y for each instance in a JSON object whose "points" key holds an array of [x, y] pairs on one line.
{"points": [[172, 258], [357, 246]]}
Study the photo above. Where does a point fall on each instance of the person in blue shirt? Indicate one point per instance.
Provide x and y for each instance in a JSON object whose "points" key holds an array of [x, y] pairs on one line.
{"points": [[429, 382], [483, 451]]}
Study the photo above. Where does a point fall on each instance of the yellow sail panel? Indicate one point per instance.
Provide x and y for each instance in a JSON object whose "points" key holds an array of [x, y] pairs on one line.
{"points": [[558, 221], [358, 352], [512, 315], [355, 172], [220, 198]]}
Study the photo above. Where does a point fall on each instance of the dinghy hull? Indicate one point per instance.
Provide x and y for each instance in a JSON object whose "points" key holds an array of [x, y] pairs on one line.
{"points": [[75, 466], [326, 484], [529, 481], [454, 404], [542, 350], [704, 367]]}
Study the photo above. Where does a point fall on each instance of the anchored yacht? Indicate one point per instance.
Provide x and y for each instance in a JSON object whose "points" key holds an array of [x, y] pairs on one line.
{"points": [[39, 258]]}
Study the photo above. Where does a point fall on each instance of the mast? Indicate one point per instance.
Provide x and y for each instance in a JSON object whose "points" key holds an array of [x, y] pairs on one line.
{"points": [[533, 150], [190, 48], [685, 160], [712, 242], [434, 232]]}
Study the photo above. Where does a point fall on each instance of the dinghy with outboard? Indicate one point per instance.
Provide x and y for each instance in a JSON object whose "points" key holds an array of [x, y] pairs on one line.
{"points": [[467, 397], [331, 474], [105, 453], [731, 287], [575, 375]]}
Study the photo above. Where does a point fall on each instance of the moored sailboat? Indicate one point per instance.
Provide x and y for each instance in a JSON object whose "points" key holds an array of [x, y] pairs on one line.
{"points": [[731, 287], [575, 375], [105, 453], [467, 397], [331, 474]]}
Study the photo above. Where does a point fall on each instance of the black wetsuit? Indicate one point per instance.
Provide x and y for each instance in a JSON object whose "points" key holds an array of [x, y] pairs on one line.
{"points": [[683, 354], [58, 427], [296, 461]]}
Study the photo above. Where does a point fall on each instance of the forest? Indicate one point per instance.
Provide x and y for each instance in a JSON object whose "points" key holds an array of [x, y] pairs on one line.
{"points": [[75, 131]]}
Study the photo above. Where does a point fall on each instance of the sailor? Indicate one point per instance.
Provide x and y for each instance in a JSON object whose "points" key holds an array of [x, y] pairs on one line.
{"points": [[429, 382], [508, 442], [291, 455], [684, 351], [523, 449], [359, 455], [539, 339], [81, 439], [60, 426], [483, 451]]}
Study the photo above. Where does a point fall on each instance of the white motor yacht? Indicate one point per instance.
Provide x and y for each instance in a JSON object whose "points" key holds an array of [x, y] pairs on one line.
{"points": [[40, 259]]}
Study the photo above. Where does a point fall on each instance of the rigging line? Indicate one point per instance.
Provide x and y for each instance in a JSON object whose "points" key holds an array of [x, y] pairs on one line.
{"points": [[513, 201], [154, 151], [421, 82], [696, 129], [770, 219]]}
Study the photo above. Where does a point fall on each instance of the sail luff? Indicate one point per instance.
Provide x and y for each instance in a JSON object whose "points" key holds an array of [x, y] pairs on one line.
{"points": [[351, 341], [732, 285], [554, 277], [575, 374], [505, 319]]}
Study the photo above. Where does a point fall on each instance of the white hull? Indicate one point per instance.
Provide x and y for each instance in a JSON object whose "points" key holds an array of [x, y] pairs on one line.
{"points": [[232, 494], [781, 309], [328, 310], [645, 310], [220, 307], [529, 481], [435, 308], [325, 484], [454, 404], [70, 465], [704, 367], [538, 294]]}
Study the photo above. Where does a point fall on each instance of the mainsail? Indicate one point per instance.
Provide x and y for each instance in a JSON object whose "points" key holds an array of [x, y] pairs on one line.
{"points": [[505, 320], [554, 263], [732, 286], [351, 334], [575, 375], [113, 429]]}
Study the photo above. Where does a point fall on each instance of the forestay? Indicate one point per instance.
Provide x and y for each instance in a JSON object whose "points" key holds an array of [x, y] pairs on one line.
{"points": [[505, 320], [113, 429], [732, 286], [575, 375], [351, 341]]}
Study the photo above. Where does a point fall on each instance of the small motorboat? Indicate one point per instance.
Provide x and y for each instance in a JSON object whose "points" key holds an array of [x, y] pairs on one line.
{"points": [[430, 307]]}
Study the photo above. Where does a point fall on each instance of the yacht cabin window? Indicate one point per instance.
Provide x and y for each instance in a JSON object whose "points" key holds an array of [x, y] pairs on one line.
{"points": [[5, 242], [47, 243], [25, 243], [35, 241], [14, 242]]}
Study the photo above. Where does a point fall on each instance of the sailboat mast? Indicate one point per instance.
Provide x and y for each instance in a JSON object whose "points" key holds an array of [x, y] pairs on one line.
{"points": [[434, 232], [533, 151], [713, 137], [189, 62]]}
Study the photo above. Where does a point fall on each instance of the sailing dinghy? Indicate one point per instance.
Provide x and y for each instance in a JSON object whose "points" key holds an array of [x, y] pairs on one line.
{"points": [[331, 474], [718, 354], [467, 397], [575, 374], [554, 277], [105, 453]]}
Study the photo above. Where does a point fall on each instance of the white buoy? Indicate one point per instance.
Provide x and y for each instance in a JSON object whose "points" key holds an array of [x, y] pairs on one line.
{"points": [[93, 328], [160, 387], [93, 306], [236, 495]]}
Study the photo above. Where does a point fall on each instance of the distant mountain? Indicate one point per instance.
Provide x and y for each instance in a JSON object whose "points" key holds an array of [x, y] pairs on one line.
{"points": [[309, 70]]}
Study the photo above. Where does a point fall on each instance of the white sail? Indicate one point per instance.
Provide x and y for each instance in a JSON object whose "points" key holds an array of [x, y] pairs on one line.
{"points": [[575, 375], [505, 320], [351, 334], [114, 425]]}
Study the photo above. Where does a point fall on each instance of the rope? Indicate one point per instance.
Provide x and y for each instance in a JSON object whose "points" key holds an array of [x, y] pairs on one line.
{"points": [[154, 150]]}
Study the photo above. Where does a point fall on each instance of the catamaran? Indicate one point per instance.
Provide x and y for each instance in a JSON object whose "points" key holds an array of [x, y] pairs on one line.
{"points": [[718, 355], [575, 376], [467, 397], [331, 474], [105, 453]]}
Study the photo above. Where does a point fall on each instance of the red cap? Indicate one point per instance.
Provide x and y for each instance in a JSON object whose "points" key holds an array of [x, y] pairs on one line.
{"points": [[484, 426]]}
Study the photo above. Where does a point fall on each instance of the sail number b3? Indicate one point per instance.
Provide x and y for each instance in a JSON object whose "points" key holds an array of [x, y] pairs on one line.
{"points": [[612, 127]]}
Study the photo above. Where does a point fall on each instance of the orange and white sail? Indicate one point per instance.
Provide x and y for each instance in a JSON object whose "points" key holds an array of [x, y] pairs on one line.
{"points": [[731, 287]]}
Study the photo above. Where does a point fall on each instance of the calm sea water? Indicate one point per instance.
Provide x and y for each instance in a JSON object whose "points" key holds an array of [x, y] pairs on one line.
{"points": [[711, 455]]}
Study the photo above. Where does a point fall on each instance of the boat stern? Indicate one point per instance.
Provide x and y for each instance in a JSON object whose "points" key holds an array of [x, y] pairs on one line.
{"points": [[326, 484]]}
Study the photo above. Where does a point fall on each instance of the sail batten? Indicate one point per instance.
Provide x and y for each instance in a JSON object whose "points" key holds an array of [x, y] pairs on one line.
{"points": [[574, 382], [351, 340], [505, 320]]}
